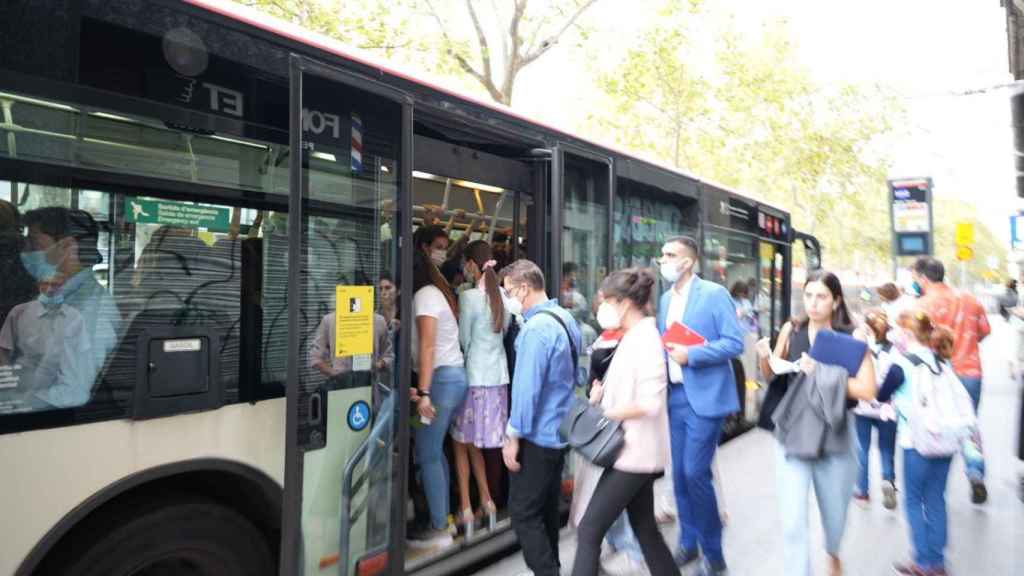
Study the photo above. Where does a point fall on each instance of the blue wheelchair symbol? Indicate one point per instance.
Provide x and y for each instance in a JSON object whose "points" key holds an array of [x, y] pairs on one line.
{"points": [[359, 416]]}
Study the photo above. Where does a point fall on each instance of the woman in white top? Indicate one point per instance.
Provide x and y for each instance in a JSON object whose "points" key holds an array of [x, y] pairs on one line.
{"points": [[634, 392], [481, 422], [440, 377]]}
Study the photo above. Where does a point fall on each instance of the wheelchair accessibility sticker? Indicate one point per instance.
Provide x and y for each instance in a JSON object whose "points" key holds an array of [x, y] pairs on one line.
{"points": [[359, 416]]}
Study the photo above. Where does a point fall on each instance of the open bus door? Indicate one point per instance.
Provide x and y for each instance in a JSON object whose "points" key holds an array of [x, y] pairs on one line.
{"points": [[349, 215]]}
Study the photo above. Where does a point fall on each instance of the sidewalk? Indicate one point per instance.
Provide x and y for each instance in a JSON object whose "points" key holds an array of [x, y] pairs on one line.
{"points": [[985, 540]]}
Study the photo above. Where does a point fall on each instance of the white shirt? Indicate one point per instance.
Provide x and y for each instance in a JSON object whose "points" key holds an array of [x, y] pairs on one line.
{"points": [[676, 309], [430, 301]]}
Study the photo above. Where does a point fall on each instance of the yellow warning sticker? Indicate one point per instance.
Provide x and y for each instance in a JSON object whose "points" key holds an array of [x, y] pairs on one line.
{"points": [[353, 322]]}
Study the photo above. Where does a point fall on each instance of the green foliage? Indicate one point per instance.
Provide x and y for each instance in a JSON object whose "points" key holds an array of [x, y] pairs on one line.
{"points": [[741, 110]]}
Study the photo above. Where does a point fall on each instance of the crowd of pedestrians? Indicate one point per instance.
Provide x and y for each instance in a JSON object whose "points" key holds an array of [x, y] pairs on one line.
{"points": [[498, 364]]}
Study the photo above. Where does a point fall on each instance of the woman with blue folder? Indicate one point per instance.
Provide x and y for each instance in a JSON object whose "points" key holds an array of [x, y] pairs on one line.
{"points": [[791, 370]]}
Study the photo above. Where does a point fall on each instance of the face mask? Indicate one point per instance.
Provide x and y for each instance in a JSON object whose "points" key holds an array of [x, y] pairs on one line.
{"points": [[608, 317], [438, 257], [513, 305], [672, 273], [38, 266], [49, 300], [916, 288]]}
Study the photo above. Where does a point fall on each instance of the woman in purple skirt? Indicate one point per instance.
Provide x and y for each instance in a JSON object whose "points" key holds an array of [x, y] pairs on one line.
{"points": [[481, 422]]}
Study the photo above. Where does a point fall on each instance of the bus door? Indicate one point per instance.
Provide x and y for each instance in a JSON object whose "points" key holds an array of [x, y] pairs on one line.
{"points": [[347, 222], [580, 201], [806, 258]]}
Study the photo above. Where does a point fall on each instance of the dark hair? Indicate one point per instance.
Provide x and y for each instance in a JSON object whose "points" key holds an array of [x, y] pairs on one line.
{"points": [[889, 292], [930, 268], [1012, 284], [687, 241], [938, 338], [740, 290], [424, 272], [842, 321], [878, 321], [523, 271], [385, 275], [633, 284], [60, 222], [479, 252], [570, 268], [10, 218]]}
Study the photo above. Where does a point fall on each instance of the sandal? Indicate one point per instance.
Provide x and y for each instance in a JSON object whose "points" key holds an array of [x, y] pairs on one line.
{"points": [[491, 509], [468, 523]]}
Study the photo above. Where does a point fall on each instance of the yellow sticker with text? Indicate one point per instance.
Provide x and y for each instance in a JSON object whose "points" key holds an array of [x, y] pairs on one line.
{"points": [[353, 322]]}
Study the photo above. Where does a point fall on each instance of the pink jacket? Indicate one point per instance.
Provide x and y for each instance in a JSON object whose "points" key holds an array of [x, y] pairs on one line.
{"points": [[637, 375]]}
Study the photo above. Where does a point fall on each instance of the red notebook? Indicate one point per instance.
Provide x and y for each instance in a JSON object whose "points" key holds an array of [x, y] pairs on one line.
{"points": [[683, 335]]}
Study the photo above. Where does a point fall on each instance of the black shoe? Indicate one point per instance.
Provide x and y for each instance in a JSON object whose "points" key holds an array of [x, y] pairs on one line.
{"points": [[979, 494], [684, 557]]}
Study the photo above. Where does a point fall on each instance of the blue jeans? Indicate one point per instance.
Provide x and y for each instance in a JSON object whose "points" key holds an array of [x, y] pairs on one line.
{"points": [[924, 487], [886, 445], [832, 477], [694, 441], [447, 393], [622, 539], [974, 464]]}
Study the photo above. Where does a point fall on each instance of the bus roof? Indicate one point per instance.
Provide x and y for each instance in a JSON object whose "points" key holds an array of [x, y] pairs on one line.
{"points": [[313, 39]]}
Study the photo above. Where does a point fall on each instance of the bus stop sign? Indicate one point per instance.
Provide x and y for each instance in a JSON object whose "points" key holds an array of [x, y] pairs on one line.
{"points": [[911, 214]]}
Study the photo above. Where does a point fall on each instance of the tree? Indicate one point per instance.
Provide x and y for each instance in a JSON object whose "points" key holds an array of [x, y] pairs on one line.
{"points": [[525, 35], [740, 110], [523, 32]]}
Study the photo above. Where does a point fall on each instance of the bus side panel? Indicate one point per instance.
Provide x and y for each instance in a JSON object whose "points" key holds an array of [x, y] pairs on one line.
{"points": [[59, 469]]}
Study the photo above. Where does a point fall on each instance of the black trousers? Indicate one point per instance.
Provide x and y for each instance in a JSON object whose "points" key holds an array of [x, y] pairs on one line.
{"points": [[534, 495], [617, 491]]}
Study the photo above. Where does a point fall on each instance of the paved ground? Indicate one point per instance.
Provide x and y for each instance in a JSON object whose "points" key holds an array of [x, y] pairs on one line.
{"points": [[984, 540]]}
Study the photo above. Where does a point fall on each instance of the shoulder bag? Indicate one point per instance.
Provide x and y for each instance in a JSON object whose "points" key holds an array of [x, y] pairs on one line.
{"points": [[585, 427]]}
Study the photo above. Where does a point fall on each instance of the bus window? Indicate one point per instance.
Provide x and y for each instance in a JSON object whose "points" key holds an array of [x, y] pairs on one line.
{"points": [[729, 260]]}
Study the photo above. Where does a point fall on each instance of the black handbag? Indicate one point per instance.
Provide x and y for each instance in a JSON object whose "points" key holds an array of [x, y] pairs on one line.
{"points": [[596, 438], [585, 428]]}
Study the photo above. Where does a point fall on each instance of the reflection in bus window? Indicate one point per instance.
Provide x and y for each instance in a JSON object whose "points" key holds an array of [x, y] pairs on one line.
{"points": [[729, 261], [56, 344]]}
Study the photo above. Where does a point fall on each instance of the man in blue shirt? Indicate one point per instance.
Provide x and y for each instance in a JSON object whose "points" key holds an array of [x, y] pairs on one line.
{"points": [[542, 392]]}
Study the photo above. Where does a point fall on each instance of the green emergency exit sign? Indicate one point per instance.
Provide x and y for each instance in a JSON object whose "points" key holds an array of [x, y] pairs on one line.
{"points": [[177, 214]]}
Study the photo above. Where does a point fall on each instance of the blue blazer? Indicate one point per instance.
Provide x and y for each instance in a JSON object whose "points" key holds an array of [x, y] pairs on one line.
{"points": [[709, 382]]}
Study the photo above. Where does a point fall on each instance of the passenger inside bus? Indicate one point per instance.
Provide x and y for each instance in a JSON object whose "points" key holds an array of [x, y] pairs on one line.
{"points": [[58, 342]]}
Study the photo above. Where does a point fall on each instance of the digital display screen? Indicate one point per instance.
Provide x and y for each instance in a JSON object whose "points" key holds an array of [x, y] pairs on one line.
{"points": [[912, 244]]}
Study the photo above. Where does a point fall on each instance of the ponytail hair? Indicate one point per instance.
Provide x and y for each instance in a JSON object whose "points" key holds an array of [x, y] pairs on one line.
{"points": [[878, 322], [938, 338], [480, 253]]}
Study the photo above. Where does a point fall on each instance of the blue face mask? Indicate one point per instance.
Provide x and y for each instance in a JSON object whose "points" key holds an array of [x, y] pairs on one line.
{"points": [[38, 266], [916, 288], [49, 300]]}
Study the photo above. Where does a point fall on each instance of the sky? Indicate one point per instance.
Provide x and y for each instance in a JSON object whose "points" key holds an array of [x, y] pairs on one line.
{"points": [[926, 51]]}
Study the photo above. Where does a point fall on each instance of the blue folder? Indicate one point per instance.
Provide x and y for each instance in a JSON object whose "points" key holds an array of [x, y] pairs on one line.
{"points": [[839, 349]]}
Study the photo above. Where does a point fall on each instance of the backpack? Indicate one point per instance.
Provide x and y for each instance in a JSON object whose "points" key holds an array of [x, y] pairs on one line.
{"points": [[943, 416]]}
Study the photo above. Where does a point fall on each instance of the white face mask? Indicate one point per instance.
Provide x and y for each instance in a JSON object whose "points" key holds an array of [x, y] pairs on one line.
{"points": [[512, 304], [438, 257], [608, 316], [672, 273]]}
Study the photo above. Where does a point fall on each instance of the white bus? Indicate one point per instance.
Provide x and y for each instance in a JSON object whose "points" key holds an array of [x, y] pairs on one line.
{"points": [[186, 191]]}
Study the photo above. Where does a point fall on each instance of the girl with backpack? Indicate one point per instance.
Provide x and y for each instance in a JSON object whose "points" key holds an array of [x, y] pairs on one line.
{"points": [[935, 416]]}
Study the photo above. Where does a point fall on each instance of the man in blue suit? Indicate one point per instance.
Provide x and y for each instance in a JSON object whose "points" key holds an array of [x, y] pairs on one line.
{"points": [[702, 393]]}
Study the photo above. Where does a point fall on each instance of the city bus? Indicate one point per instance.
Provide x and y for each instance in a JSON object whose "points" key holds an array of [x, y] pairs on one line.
{"points": [[189, 192]]}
